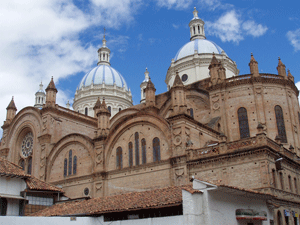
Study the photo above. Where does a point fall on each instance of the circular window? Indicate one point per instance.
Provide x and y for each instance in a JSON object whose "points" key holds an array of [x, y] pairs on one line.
{"points": [[184, 77], [27, 145], [86, 191]]}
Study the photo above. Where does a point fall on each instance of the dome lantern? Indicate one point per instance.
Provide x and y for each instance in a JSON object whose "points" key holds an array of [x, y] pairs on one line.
{"points": [[103, 53], [196, 27]]}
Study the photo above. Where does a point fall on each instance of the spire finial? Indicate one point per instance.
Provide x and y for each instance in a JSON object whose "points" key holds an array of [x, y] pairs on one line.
{"points": [[104, 40]]}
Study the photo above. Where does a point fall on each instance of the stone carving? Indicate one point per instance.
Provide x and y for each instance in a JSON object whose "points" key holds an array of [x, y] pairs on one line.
{"points": [[177, 140], [44, 123], [99, 186], [179, 172], [4, 137]]}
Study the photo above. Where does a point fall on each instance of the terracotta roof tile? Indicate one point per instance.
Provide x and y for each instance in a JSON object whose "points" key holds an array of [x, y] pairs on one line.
{"points": [[162, 197], [36, 184], [10, 169]]}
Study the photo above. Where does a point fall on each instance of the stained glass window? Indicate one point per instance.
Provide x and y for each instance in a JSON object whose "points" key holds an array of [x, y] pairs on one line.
{"points": [[191, 112], [29, 166], [65, 167], [130, 153], [119, 158], [243, 123], [109, 109], [280, 124], [70, 163], [144, 157], [156, 149], [137, 150], [75, 164]]}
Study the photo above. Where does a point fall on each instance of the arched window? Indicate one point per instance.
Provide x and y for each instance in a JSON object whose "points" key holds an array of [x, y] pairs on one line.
{"points": [[156, 149], [3, 204], [290, 183], [137, 149], [119, 158], [194, 30], [70, 163], [29, 165], [243, 123], [144, 157], [279, 218], [130, 153], [198, 30], [120, 109], [192, 112], [39, 99], [65, 167], [296, 186], [86, 111], [281, 181], [109, 109], [280, 123], [274, 178], [219, 127], [74, 164], [22, 164]]}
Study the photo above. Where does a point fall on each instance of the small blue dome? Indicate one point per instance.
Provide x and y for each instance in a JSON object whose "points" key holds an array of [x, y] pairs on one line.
{"points": [[201, 45], [103, 74]]}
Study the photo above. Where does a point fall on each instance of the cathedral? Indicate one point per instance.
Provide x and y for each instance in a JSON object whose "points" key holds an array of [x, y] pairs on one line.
{"points": [[211, 124]]}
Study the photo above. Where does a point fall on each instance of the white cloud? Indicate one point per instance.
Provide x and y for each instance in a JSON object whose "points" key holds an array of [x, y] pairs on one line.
{"points": [[254, 29], [213, 4], [177, 4], [175, 26], [231, 27], [294, 38], [41, 38]]}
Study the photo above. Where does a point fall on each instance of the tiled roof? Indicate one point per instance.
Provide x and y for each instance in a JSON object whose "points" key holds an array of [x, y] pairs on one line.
{"points": [[10, 169], [36, 184], [163, 197]]}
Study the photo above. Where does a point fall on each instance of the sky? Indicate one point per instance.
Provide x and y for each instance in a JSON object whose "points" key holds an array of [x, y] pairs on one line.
{"points": [[60, 38]]}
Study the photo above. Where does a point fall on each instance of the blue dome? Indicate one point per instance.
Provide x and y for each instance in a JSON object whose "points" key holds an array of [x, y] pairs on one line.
{"points": [[201, 45], [103, 74]]}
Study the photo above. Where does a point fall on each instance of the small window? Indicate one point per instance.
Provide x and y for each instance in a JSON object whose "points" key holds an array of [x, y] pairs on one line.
{"points": [[130, 153], [137, 150], [290, 183], [274, 178], [65, 167], [144, 155], [119, 158], [109, 109], [296, 186], [243, 123], [280, 124], [184, 77], [70, 163], [75, 164], [156, 149], [192, 113], [29, 166], [86, 111], [120, 109], [281, 181], [3, 204]]}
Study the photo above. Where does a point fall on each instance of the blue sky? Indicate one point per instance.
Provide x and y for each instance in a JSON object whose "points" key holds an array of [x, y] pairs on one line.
{"points": [[60, 38]]}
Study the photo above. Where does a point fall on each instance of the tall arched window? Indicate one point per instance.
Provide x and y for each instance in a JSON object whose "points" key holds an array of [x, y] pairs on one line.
{"points": [[274, 178], [280, 124], [130, 153], [243, 123], [75, 164], [86, 111], [29, 165], [281, 181], [192, 112], [296, 186], [299, 117], [109, 109], [119, 158], [65, 167], [137, 149], [22, 164], [156, 149], [144, 157], [290, 183], [70, 163], [279, 218]]}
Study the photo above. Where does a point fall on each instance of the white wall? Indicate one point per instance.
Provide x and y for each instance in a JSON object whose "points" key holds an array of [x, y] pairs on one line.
{"points": [[174, 220], [11, 186]]}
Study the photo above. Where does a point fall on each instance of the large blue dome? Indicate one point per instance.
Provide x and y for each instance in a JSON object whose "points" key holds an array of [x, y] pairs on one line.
{"points": [[201, 45], [103, 74]]}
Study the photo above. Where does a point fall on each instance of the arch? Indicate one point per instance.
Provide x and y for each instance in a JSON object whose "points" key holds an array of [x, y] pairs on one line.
{"points": [[137, 149], [156, 149], [119, 158], [144, 155], [280, 123], [243, 123], [130, 154], [66, 141]]}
